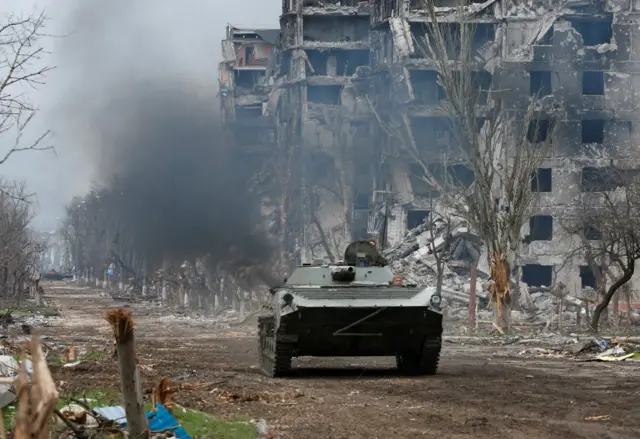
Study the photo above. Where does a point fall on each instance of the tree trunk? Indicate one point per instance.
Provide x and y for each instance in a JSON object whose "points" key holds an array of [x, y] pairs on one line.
{"points": [[234, 298], [627, 301], [499, 288], [181, 294], [165, 282], [37, 296], [243, 303], [145, 276], [502, 320], [122, 325], [616, 307], [604, 303], [439, 277]]}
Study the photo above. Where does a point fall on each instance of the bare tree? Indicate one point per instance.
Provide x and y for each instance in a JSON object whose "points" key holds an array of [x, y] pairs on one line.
{"points": [[500, 145], [608, 226], [19, 250], [440, 226], [21, 68]]}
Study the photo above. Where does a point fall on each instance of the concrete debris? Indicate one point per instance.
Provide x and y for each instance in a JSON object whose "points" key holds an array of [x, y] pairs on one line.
{"points": [[402, 38], [78, 415], [8, 369], [414, 259]]}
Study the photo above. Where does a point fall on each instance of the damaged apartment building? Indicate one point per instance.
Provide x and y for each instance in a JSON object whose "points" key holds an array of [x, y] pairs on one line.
{"points": [[319, 105], [335, 57], [244, 85]]}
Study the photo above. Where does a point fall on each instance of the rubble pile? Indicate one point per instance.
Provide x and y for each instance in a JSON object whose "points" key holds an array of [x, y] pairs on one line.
{"points": [[413, 258]]}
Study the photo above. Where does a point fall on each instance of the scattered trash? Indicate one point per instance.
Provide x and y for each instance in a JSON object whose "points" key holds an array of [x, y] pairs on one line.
{"points": [[602, 344], [8, 369], [590, 345], [262, 428], [112, 413], [598, 418], [78, 414], [161, 421], [69, 355], [74, 364], [541, 353], [635, 356]]}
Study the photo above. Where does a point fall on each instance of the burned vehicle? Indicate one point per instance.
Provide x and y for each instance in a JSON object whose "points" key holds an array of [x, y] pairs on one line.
{"points": [[354, 308]]}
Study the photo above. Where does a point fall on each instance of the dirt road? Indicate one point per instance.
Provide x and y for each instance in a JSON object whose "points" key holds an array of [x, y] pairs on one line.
{"points": [[480, 392]]}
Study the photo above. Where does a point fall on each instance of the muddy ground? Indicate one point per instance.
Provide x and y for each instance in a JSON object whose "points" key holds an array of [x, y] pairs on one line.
{"points": [[482, 390]]}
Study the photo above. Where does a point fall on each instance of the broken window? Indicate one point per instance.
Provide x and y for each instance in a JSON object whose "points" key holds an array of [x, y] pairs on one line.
{"points": [[593, 31], [593, 83], [248, 79], [482, 82], [536, 275], [593, 131], [318, 60], [540, 83], [541, 228], [587, 278], [248, 112], [431, 135], [425, 86], [541, 180], [547, 38], [461, 175], [600, 179], [285, 62], [419, 184], [249, 53], [361, 201], [326, 28], [458, 175], [337, 62], [416, 217], [484, 33], [324, 94], [539, 131]]}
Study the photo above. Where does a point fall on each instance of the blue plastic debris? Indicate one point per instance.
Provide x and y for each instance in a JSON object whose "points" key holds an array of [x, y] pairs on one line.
{"points": [[114, 413], [161, 420]]}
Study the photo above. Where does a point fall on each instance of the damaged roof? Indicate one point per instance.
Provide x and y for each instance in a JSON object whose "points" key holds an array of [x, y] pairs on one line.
{"points": [[269, 35]]}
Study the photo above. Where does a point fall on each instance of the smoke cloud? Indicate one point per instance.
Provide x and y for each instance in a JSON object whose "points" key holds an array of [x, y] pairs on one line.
{"points": [[149, 124], [183, 188]]}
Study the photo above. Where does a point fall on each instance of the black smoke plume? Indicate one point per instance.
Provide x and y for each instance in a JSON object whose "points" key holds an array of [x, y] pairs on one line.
{"points": [[182, 188], [140, 104]]}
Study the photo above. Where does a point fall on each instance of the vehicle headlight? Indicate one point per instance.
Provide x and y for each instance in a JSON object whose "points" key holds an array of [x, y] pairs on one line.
{"points": [[436, 300]]}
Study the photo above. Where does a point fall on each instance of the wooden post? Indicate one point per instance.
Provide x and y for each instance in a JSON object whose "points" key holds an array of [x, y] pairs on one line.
{"points": [[472, 297], [121, 322]]}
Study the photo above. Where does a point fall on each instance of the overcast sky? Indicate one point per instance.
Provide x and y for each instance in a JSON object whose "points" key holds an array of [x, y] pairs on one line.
{"points": [[96, 41]]}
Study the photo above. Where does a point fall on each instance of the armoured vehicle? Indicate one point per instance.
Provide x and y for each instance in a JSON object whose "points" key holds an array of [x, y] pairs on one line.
{"points": [[354, 308]]}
